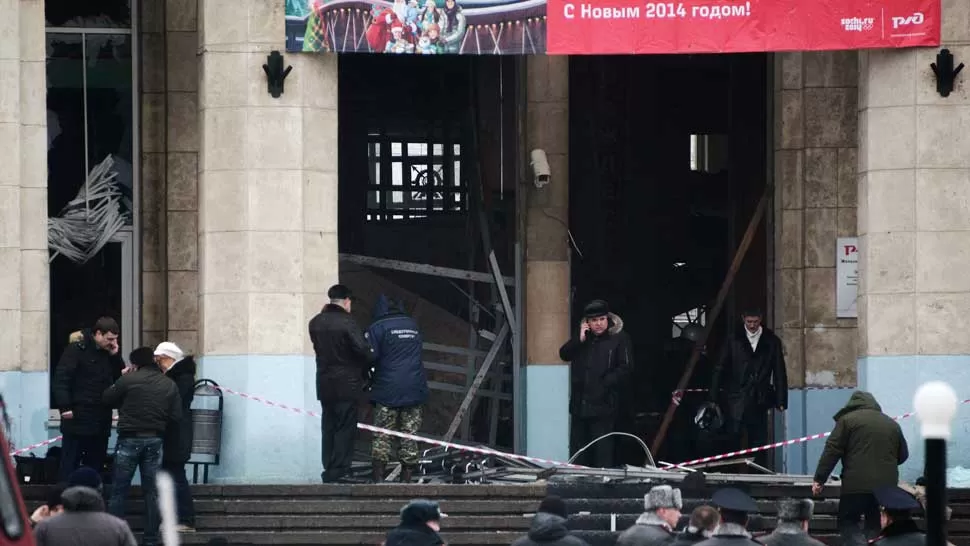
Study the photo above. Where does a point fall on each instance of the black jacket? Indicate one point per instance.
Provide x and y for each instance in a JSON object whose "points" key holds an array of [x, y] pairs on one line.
{"points": [[400, 380], [869, 443], [83, 373], [649, 530], [900, 533], [413, 535], [688, 538], [178, 435], [599, 367], [551, 530], [750, 380], [789, 535], [147, 401], [343, 355]]}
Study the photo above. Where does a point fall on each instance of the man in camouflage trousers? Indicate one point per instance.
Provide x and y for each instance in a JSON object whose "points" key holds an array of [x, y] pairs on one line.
{"points": [[400, 386]]}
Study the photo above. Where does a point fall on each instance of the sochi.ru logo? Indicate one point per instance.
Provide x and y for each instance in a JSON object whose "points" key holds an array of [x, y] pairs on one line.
{"points": [[914, 19]]}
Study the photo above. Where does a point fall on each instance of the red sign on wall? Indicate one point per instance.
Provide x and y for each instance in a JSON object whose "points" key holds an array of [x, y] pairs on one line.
{"points": [[577, 27]]}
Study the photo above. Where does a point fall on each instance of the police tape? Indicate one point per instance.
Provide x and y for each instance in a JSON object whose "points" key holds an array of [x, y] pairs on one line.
{"points": [[677, 396], [402, 435], [784, 443], [38, 445]]}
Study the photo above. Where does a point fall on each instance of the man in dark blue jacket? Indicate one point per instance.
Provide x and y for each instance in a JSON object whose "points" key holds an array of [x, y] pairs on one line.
{"points": [[400, 386]]}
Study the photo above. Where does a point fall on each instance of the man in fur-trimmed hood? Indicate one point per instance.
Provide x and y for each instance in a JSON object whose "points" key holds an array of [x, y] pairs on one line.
{"points": [[792, 530], [655, 527], [601, 359]]}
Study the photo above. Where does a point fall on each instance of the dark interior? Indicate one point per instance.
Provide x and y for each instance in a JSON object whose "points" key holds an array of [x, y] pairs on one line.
{"points": [[656, 236]]}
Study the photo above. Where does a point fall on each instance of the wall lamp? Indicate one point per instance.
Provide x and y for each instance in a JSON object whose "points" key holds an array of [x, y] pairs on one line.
{"points": [[275, 74], [945, 73]]}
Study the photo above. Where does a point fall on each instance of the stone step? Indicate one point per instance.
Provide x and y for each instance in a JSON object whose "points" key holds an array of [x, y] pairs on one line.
{"points": [[337, 507], [824, 523], [340, 538], [344, 523]]}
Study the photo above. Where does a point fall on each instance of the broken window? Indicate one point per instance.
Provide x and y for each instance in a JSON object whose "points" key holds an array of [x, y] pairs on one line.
{"points": [[413, 180]]}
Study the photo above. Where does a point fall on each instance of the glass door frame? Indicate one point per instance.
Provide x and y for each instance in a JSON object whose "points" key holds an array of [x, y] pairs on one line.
{"points": [[130, 236]]}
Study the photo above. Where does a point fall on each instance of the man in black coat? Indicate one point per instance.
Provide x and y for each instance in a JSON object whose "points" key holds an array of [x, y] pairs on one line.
{"points": [[89, 365], [344, 361], [792, 529], [549, 526], [701, 525], [750, 380], [420, 524], [177, 444], [601, 359]]}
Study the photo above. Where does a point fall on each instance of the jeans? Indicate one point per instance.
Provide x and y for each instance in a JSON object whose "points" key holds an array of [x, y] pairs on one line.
{"points": [[82, 450], [144, 454], [183, 494], [339, 434], [852, 508]]}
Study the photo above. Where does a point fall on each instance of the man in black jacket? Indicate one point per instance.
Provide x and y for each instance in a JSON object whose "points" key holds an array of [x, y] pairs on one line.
{"points": [[750, 380], [601, 359], [148, 402], [343, 362], [177, 444], [549, 526], [88, 366]]}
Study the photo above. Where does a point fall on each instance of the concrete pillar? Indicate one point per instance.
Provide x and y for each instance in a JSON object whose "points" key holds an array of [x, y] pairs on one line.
{"points": [[547, 275], [24, 286], [815, 159], [914, 228], [267, 235]]}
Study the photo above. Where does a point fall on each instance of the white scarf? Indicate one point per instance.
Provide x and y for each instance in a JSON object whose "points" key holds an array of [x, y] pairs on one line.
{"points": [[754, 338]]}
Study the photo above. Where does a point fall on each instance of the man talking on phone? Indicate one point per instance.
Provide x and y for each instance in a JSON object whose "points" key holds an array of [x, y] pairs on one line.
{"points": [[601, 359], [90, 364]]}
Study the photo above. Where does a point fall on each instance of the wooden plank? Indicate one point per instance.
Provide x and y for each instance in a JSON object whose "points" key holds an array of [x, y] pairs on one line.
{"points": [[503, 334], [506, 303], [451, 350], [459, 389], [422, 269]]}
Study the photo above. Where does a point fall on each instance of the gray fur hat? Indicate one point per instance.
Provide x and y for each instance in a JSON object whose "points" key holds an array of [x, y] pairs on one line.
{"points": [[662, 496], [795, 509]]}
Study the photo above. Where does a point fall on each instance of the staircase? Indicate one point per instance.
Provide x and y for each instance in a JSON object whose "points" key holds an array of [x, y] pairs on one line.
{"points": [[478, 514]]}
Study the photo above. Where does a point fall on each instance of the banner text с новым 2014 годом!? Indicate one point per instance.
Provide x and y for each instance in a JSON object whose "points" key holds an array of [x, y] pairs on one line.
{"points": [[591, 27]]}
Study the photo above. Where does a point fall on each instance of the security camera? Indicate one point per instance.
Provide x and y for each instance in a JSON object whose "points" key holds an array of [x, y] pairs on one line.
{"points": [[540, 168]]}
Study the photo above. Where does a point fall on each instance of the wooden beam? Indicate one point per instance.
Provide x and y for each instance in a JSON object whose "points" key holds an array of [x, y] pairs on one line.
{"points": [[423, 269], [503, 335], [712, 315]]}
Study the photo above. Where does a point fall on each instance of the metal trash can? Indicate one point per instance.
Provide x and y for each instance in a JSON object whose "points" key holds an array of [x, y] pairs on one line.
{"points": [[206, 429]]}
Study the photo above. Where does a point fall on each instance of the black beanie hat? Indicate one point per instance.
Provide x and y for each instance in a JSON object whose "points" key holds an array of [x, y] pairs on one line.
{"points": [[553, 505]]}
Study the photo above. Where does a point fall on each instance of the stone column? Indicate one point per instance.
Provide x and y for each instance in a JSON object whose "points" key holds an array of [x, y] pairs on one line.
{"points": [[815, 204], [24, 286], [914, 227], [267, 235], [547, 275]]}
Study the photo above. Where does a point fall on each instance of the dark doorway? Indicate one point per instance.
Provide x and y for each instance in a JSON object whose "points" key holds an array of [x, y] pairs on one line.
{"points": [[668, 159]]}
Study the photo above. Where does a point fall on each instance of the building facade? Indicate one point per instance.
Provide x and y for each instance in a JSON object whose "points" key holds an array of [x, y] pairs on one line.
{"points": [[226, 220]]}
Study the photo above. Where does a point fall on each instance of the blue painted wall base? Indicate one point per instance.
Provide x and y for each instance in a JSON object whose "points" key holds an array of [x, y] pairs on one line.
{"points": [[547, 411], [261, 444], [894, 380], [809, 412], [27, 395]]}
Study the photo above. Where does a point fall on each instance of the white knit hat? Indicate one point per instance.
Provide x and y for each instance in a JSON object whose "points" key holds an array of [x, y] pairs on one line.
{"points": [[169, 349]]}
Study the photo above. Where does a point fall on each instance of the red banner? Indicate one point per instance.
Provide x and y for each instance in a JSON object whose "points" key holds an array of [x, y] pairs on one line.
{"points": [[578, 27]]}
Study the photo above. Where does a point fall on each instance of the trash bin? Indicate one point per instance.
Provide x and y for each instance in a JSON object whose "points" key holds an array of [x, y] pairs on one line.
{"points": [[206, 428]]}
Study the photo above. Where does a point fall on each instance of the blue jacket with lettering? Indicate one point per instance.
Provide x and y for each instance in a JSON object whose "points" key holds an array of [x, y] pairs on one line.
{"points": [[399, 378]]}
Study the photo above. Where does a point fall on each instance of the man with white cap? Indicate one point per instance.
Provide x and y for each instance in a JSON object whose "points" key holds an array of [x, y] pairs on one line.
{"points": [[655, 527], [177, 449]]}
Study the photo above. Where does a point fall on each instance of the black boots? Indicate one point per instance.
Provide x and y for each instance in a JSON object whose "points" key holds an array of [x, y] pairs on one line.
{"points": [[405, 473], [379, 474]]}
